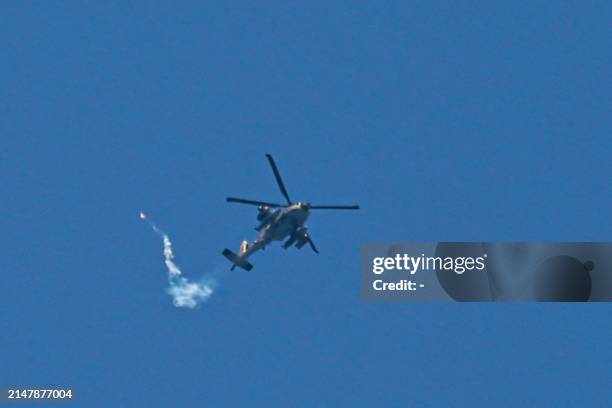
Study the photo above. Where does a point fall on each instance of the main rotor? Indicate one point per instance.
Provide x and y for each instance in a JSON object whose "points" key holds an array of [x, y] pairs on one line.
{"points": [[285, 194]]}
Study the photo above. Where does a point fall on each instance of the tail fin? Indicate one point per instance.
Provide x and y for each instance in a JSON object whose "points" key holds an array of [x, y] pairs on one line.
{"points": [[243, 247], [236, 260]]}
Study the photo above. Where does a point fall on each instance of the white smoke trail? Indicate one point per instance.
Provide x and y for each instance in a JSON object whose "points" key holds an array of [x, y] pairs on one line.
{"points": [[184, 293]]}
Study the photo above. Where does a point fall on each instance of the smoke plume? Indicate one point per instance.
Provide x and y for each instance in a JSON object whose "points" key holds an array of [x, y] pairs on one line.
{"points": [[184, 292]]}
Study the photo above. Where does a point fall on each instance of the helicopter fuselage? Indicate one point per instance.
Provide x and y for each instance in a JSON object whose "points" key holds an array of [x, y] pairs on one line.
{"points": [[285, 222], [278, 224]]}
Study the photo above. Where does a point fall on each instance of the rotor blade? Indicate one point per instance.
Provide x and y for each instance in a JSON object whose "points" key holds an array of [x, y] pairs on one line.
{"points": [[251, 202], [334, 207], [312, 245], [278, 178]]}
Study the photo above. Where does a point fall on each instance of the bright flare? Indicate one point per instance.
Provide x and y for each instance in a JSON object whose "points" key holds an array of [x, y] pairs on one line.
{"points": [[142, 216]]}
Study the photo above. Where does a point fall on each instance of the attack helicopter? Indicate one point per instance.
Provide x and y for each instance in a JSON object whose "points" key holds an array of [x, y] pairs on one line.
{"points": [[278, 222]]}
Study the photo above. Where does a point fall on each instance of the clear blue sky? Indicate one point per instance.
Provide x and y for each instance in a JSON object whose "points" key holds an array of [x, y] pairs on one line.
{"points": [[444, 121]]}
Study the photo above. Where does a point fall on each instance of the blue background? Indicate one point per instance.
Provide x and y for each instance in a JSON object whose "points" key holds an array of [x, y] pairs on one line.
{"points": [[443, 120]]}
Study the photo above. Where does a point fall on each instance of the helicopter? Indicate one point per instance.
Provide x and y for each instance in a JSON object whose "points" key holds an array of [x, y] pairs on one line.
{"points": [[277, 222]]}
